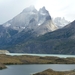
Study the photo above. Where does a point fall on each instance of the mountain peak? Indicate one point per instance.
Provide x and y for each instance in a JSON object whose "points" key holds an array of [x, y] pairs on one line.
{"points": [[43, 10], [61, 22], [29, 9]]}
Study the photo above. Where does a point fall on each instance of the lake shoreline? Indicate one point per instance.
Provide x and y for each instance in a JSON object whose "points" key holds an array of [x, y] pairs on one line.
{"points": [[2, 66], [28, 59], [52, 72]]}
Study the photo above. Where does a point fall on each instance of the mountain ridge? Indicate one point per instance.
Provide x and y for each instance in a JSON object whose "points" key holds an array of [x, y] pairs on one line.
{"points": [[51, 43], [40, 34], [28, 22], [61, 22]]}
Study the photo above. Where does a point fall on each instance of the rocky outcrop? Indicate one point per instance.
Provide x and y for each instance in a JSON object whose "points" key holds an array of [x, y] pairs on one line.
{"points": [[4, 51]]}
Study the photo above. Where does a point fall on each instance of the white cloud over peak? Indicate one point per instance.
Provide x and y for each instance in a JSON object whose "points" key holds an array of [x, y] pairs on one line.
{"points": [[56, 8]]}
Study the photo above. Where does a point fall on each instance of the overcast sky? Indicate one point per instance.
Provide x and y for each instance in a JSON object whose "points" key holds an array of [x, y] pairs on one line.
{"points": [[56, 8]]}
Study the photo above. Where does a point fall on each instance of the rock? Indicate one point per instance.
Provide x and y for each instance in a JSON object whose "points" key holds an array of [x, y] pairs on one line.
{"points": [[4, 51]]}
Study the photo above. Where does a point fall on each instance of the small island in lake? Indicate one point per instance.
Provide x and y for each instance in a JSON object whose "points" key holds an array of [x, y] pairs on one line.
{"points": [[52, 72]]}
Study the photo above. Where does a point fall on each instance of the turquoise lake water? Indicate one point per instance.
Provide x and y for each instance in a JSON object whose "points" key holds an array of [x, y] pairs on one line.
{"points": [[56, 55]]}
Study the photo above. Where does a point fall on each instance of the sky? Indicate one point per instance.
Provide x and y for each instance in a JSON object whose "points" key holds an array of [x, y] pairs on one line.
{"points": [[56, 8]]}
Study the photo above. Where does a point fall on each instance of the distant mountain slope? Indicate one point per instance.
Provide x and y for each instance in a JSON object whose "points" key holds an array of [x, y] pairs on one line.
{"points": [[30, 23], [60, 22], [61, 41]]}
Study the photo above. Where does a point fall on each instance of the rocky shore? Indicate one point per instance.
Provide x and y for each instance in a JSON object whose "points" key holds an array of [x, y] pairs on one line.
{"points": [[2, 66]]}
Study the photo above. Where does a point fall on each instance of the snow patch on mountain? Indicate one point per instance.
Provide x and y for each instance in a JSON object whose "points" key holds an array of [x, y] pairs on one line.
{"points": [[61, 22], [7, 25]]}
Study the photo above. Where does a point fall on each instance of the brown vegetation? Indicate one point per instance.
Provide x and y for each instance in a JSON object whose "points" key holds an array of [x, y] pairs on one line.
{"points": [[26, 59], [52, 72], [2, 66]]}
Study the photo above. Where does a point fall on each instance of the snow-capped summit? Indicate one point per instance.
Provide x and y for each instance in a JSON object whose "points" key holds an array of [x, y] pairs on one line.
{"points": [[43, 15], [61, 22], [29, 19], [43, 11], [30, 9], [22, 20]]}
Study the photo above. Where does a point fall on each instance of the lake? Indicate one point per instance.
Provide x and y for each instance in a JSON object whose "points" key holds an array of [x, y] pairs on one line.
{"points": [[56, 55], [30, 69]]}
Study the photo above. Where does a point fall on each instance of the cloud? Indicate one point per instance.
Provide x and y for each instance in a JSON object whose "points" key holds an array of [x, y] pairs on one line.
{"points": [[57, 8]]}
